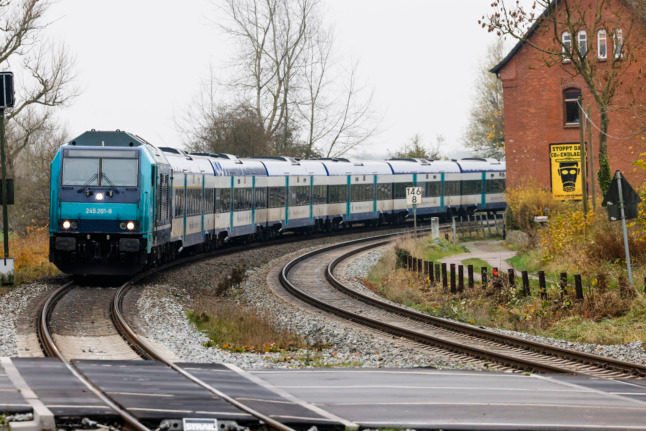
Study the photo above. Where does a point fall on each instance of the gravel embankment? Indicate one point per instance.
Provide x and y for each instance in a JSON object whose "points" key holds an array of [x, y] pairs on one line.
{"points": [[13, 305], [163, 309]]}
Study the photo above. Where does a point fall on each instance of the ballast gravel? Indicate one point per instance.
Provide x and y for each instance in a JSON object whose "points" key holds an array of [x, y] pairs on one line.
{"points": [[163, 309], [14, 304]]}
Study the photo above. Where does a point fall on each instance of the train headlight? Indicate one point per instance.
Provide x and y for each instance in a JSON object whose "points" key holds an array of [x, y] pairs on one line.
{"points": [[128, 225], [69, 225], [99, 196]]}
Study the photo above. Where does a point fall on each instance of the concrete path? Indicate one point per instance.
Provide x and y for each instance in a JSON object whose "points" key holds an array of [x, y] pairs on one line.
{"points": [[491, 251]]}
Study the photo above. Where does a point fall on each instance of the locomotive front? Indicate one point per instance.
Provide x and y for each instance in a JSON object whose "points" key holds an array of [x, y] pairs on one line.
{"points": [[97, 209]]}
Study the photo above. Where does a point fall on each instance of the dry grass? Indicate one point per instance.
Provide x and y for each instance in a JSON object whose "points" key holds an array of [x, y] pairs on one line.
{"points": [[235, 327], [605, 316], [31, 255]]}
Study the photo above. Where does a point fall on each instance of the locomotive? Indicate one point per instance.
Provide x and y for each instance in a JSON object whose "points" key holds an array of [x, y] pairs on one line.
{"points": [[119, 203]]}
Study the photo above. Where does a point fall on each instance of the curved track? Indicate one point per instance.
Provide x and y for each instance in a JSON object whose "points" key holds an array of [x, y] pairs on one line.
{"points": [[311, 278]]}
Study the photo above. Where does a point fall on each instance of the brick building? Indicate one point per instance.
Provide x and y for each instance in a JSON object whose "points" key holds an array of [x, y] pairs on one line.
{"points": [[541, 91]]}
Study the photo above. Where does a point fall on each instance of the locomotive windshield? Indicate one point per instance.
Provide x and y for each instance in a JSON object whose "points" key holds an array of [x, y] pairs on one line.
{"points": [[100, 168]]}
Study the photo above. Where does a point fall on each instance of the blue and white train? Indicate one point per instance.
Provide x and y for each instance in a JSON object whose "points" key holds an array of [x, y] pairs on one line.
{"points": [[119, 203]]}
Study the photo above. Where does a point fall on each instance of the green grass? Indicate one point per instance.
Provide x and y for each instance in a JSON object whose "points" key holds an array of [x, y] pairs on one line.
{"points": [[477, 264], [434, 251]]}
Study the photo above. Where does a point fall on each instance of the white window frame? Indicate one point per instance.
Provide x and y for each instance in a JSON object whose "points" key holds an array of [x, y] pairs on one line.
{"points": [[582, 41], [602, 41], [566, 41], [618, 43]]}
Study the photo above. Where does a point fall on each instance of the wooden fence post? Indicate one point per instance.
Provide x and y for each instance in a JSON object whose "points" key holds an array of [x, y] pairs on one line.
{"points": [[526, 290], [542, 285], [578, 287], [470, 276], [563, 283]]}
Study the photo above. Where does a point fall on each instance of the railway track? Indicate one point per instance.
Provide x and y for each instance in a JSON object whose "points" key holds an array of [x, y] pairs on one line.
{"points": [[311, 278], [138, 345]]}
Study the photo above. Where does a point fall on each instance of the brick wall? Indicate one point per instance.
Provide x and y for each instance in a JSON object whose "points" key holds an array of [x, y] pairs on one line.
{"points": [[533, 97]]}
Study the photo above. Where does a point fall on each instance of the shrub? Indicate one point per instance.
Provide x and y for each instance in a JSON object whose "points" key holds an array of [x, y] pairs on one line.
{"points": [[526, 202]]}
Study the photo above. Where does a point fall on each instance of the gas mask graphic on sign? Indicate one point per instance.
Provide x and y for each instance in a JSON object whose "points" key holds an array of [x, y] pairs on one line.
{"points": [[568, 171]]}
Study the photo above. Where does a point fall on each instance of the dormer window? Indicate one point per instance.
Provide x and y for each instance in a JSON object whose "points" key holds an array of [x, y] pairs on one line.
{"points": [[618, 43], [582, 43], [566, 42], [602, 45], [571, 112]]}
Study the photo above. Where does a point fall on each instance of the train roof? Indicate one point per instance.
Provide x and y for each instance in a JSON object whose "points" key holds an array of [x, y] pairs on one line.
{"points": [[291, 166], [182, 162], [107, 138], [410, 166], [238, 167], [352, 167], [479, 165]]}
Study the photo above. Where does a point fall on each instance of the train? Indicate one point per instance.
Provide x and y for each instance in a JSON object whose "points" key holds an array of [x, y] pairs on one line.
{"points": [[119, 204]]}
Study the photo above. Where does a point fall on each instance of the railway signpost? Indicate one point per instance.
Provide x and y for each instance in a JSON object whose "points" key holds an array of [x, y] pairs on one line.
{"points": [[414, 198], [621, 202]]}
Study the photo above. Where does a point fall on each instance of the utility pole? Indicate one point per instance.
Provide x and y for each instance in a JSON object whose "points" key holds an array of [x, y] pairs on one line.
{"points": [[6, 101], [5, 207], [591, 160]]}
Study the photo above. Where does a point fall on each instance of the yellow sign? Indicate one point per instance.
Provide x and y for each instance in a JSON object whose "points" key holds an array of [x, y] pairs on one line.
{"points": [[565, 171]]}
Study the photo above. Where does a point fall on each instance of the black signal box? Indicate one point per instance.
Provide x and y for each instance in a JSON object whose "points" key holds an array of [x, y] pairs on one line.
{"points": [[6, 90]]}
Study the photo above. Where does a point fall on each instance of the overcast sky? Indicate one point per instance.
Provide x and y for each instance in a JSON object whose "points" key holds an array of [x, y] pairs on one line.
{"points": [[140, 64]]}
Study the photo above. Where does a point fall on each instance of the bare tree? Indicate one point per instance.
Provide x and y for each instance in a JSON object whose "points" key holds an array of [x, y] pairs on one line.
{"points": [[32, 173], [285, 68], [271, 35], [485, 133], [336, 111], [44, 72], [602, 79]]}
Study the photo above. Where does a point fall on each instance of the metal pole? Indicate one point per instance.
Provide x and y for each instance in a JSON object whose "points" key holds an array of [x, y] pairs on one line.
{"points": [[584, 177], [415, 218], [5, 209], [623, 226]]}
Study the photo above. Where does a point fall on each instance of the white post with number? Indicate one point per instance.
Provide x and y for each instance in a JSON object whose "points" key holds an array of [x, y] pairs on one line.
{"points": [[414, 198]]}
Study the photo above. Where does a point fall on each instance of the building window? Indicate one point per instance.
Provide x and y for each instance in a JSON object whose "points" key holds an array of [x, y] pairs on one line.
{"points": [[602, 45], [566, 41], [618, 42], [582, 43], [571, 107]]}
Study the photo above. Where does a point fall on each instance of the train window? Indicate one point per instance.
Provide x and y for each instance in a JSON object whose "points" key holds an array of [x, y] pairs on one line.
{"points": [[471, 187], [362, 192], [119, 172], [496, 186], [242, 199], [276, 197], [80, 172], [384, 191], [222, 200], [399, 191], [319, 194], [260, 200], [179, 202], [299, 196], [432, 189], [452, 188], [337, 193]]}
